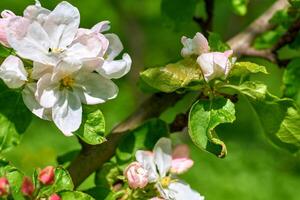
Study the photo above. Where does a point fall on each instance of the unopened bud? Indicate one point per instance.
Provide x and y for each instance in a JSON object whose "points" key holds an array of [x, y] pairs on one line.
{"points": [[136, 175], [27, 187], [4, 186], [54, 197], [46, 175]]}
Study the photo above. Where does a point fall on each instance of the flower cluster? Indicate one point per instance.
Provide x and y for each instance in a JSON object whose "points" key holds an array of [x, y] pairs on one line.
{"points": [[46, 177], [160, 168], [58, 65], [213, 64]]}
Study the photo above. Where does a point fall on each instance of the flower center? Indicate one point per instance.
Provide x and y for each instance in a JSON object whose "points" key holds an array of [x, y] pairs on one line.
{"points": [[55, 50], [165, 182], [67, 82]]}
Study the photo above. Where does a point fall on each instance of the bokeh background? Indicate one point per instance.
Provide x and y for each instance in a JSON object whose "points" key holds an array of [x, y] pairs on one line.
{"points": [[254, 168]]}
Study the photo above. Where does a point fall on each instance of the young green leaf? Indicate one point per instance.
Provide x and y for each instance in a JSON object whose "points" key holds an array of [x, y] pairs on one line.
{"points": [[246, 68], [92, 129], [204, 117], [173, 76], [291, 80], [216, 43]]}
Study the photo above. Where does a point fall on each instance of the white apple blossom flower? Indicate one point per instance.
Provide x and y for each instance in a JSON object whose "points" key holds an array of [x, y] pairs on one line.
{"points": [[158, 164], [213, 64]]}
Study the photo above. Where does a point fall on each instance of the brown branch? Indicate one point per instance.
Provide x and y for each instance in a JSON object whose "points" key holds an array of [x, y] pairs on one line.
{"points": [[93, 157], [206, 25]]}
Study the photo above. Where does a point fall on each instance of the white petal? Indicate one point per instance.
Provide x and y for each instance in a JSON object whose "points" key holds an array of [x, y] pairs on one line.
{"points": [[65, 68], [32, 104], [40, 69], [67, 112], [47, 91], [94, 89], [29, 40], [36, 13], [101, 27], [195, 46], [62, 24], [116, 68], [146, 158], [12, 72], [115, 46], [206, 62], [163, 156], [180, 191], [91, 64]]}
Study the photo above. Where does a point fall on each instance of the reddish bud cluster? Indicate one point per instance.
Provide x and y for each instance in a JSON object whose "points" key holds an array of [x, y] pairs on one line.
{"points": [[4, 186]]}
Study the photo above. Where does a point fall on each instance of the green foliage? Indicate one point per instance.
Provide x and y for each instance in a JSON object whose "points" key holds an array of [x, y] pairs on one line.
{"points": [[204, 117], [71, 195], [240, 6], [291, 80], [216, 43], [279, 118], [245, 68], [15, 178], [14, 117], [92, 129], [107, 175], [174, 76], [178, 17], [143, 137]]}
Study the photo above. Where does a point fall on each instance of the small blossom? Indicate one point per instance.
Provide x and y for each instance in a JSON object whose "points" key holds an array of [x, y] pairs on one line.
{"points": [[6, 16], [27, 188], [4, 186], [54, 197], [195, 46], [136, 175], [46, 175], [180, 160], [12, 72]]}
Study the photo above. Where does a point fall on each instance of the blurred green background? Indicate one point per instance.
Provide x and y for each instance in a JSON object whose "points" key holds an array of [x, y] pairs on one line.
{"points": [[254, 168]]}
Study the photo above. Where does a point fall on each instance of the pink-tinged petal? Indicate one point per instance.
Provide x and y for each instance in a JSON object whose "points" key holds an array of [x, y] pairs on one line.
{"points": [[94, 89], [163, 156], [27, 187], [4, 187], [101, 27], [12, 72], [117, 68], [54, 197], [136, 175], [61, 25], [6, 15], [181, 151], [195, 46], [146, 158], [181, 165], [28, 95], [67, 112], [29, 40], [46, 175]]}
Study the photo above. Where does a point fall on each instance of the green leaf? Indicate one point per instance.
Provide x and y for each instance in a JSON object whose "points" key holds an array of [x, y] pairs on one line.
{"points": [[240, 6], [178, 12], [143, 137], [173, 76], [107, 175], [204, 117], [100, 193], [62, 182], [269, 38], [291, 80], [216, 43], [92, 129], [279, 118], [72, 195], [245, 68], [14, 117]]}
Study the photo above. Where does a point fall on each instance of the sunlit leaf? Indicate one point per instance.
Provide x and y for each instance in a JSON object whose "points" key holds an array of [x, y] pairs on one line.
{"points": [[240, 6], [245, 68]]}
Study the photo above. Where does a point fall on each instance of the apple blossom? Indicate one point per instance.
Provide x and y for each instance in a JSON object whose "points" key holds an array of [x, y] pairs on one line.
{"points": [[54, 197], [4, 186], [180, 160], [195, 46], [6, 15], [46, 175], [136, 175], [27, 187], [158, 164]]}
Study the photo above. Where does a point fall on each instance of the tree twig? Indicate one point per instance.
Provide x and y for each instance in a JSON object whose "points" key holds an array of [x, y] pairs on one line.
{"points": [[206, 25], [93, 157]]}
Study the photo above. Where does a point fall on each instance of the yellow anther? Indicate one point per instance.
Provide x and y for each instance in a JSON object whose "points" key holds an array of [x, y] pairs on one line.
{"points": [[67, 82], [165, 182]]}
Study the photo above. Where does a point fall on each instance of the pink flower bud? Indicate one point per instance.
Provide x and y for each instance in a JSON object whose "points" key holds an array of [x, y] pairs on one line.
{"points": [[136, 175], [4, 186], [46, 175], [180, 159], [54, 197], [27, 187], [6, 15]]}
